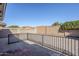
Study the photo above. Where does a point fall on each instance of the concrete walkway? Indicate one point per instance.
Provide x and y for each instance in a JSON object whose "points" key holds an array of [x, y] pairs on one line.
{"points": [[27, 48]]}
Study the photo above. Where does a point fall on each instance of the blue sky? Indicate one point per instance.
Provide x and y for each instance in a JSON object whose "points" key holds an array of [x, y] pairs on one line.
{"points": [[24, 14]]}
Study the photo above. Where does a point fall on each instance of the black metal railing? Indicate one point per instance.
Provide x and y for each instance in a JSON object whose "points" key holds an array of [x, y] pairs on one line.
{"points": [[68, 45]]}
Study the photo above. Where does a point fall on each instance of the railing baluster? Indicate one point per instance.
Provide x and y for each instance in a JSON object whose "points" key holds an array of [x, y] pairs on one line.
{"points": [[54, 42], [74, 47], [65, 44], [42, 40], [68, 45], [27, 36], [58, 43], [61, 44], [78, 47], [71, 47]]}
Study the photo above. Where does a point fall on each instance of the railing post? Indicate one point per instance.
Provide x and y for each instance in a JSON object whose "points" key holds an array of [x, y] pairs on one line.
{"points": [[27, 36]]}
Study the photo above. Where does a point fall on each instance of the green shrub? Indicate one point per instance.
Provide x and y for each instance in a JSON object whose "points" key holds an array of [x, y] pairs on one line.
{"points": [[72, 25]]}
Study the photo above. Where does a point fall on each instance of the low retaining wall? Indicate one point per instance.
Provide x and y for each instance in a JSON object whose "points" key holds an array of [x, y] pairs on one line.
{"points": [[39, 30], [4, 32]]}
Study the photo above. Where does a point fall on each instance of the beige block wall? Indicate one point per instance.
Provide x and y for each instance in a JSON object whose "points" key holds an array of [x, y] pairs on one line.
{"points": [[41, 29], [46, 30], [53, 30], [49, 30], [6, 31], [22, 30]]}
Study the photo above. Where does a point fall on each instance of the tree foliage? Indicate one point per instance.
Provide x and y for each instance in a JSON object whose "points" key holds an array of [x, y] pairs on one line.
{"points": [[56, 23], [72, 25], [13, 26]]}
